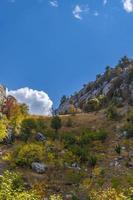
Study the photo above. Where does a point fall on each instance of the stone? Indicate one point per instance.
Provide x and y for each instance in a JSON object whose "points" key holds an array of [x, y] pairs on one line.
{"points": [[130, 164], [39, 167], [69, 197], [75, 165], [117, 164], [40, 137], [123, 148]]}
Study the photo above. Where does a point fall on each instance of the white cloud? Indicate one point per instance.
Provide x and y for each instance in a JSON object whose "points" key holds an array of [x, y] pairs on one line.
{"points": [[54, 3], [79, 10], [96, 13], [128, 5], [12, 1], [38, 101], [105, 2]]}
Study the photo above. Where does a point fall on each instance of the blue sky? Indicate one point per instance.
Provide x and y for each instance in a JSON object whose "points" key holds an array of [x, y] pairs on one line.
{"points": [[57, 46]]}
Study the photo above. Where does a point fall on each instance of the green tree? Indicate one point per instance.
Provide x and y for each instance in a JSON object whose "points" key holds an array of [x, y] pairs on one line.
{"points": [[24, 109], [28, 127], [3, 131], [63, 99], [56, 123], [118, 149]]}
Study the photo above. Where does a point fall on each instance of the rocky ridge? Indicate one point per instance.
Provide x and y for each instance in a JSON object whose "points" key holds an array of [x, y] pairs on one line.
{"points": [[114, 86]]}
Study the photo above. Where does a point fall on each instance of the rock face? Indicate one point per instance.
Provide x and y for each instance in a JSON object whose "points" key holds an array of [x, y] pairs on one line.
{"points": [[116, 84], [39, 167], [40, 137], [6, 101]]}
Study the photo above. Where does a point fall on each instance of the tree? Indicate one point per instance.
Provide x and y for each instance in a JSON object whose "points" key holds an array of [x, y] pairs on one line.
{"points": [[24, 109], [28, 127], [63, 99], [124, 62], [56, 123], [3, 131], [118, 149]]}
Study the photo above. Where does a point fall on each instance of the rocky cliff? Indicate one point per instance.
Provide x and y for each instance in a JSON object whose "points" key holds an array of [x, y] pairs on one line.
{"points": [[115, 86]]}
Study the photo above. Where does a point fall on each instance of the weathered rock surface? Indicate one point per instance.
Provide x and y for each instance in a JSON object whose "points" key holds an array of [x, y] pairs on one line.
{"points": [[39, 167], [40, 137], [116, 83]]}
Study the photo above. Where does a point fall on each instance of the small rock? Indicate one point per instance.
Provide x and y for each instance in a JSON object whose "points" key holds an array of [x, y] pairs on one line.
{"points": [[38, 167], [117, 164], [124, 133], [120, 158], [111, 164], [40, 137], [75, 165], [68, 196], [130, 165]]}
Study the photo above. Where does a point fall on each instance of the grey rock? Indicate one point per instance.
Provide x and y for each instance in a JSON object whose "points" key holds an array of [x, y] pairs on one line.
{"points": [[39, 167], [130, 165], [40, 137], [75, 165], [68, 196], [123, 148]]}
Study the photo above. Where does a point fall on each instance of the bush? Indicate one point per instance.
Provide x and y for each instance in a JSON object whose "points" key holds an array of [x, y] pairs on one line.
{"points": [[12, 188], [118, 149], [80, 152], [74, 177], [69, 139], [56, 123], [92, 105], [92, 160], [28, 127], [3, 131], [29, 153], [112, 113], [89, 136]]}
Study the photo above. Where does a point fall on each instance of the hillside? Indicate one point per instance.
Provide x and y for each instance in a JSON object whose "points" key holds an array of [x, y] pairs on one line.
{"points": [[89, 153], [114, 86], [85, 153]]}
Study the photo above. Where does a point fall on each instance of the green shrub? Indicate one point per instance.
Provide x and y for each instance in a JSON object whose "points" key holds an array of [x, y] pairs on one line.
{"points": [[89, 136], [3, 130], [40, 125], [68, 139], [112, 113], [73, 177], [56, 123], [12, 188], [118, 149], [116, 182], [80, 152], [28, 127], [29, 153], [92, 160], [92, 105]]}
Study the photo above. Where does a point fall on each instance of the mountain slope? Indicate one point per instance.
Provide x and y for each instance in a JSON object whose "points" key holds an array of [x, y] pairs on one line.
{"points": [[114, 86]]}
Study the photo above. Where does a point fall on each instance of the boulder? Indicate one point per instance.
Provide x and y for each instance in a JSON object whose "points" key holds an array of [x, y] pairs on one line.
{"points": [[40, 137], [39, 167]]}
